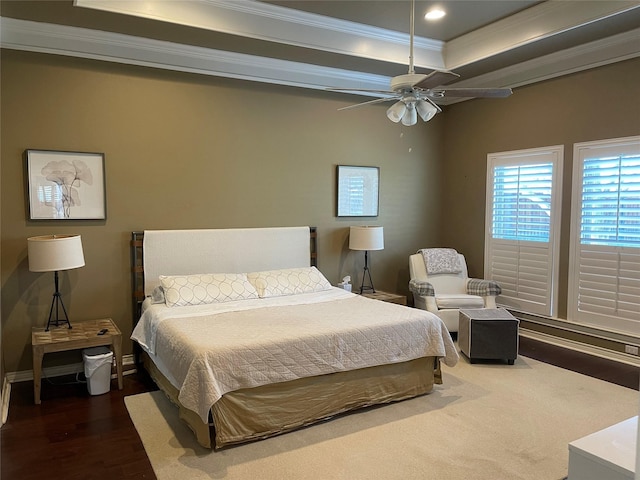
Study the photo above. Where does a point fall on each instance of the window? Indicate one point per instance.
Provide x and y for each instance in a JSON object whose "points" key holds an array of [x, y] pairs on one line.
{"points": [[522, 202], [604, 267], [522, 227]]}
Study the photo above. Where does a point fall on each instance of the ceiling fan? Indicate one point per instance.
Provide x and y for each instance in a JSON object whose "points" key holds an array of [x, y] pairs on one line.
{"points": [[415, 92]]}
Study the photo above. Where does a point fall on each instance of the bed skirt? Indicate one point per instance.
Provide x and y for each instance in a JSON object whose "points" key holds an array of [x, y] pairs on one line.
{"points": [[261, 412]]}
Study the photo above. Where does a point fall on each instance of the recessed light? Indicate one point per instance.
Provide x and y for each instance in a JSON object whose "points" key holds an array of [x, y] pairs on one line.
{"points": [[435, 14]]}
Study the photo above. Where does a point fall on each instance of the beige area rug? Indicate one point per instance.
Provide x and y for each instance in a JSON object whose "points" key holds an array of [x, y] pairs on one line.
{"points": [[487, 421]]}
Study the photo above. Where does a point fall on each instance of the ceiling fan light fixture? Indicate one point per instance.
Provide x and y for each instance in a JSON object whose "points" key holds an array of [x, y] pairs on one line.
{"points": [[397, 111], [426, 110], [419, 92], [410, 117]]}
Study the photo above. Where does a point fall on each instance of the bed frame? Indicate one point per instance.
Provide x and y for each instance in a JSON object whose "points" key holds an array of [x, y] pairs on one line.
{"points": [[255, 413], [137, 266]]}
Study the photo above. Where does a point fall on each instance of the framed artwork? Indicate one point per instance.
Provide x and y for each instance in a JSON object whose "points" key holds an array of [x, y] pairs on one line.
{"points": [[358, 189], [65, 185]]}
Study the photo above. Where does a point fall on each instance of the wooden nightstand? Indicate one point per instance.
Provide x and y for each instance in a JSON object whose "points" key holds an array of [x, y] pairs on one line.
{"points": [[82, 335], [387, 297]]}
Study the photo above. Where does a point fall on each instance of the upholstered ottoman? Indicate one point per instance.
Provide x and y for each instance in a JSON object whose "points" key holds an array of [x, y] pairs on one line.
{"points": [[488, 333]]}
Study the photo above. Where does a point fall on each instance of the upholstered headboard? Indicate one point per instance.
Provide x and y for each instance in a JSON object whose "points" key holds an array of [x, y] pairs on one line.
{"points": [[235, 250]]}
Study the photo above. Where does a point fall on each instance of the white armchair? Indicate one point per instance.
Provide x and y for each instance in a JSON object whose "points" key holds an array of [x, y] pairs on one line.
{"points": [[448, 287]]}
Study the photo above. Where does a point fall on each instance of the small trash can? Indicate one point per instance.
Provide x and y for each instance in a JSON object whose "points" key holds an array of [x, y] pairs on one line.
{"points": [[97, 369]]}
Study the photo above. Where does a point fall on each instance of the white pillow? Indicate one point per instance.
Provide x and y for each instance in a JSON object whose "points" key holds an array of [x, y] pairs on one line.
{"points": [[182, 290], [289, 281]]}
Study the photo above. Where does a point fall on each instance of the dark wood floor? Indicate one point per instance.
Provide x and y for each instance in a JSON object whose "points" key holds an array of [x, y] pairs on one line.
{"points": [[607, 370], [74, 436]]}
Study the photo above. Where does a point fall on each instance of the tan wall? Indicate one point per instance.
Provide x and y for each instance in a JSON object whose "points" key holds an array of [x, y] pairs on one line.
{"points": [[597, 104], [189, 151]]}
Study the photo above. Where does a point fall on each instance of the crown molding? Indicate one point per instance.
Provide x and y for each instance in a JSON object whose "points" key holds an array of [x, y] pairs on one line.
{"points": [[533, 24], [613, 49], [112, 47], [273, 23]]}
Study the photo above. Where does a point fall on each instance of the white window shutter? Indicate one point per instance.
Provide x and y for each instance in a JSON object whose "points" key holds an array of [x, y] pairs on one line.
{"points": [[522, 227], [604, 267], [524, 272]]}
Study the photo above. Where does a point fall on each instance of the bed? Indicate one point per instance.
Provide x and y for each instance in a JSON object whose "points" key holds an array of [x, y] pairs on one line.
{"points": [[247, 337]]}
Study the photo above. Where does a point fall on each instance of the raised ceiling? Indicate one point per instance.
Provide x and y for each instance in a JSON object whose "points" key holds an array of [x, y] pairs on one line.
{"points": [[462, 16], [334, 43]]}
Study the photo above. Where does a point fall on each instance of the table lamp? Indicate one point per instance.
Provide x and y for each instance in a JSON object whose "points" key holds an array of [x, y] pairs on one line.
{"points": [[366, 238], [52, 253]]}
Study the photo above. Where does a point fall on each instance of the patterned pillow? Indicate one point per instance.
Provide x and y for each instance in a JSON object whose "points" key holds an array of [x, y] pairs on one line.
{"points": [[182, 290], [289, 281]]}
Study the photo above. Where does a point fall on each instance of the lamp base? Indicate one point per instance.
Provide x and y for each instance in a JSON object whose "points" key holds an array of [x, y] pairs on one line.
{"points": [[366, 273], [57, 302]]}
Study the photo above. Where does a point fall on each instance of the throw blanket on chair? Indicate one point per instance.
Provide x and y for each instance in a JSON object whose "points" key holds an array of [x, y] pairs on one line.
{"points": [[441, 260]]}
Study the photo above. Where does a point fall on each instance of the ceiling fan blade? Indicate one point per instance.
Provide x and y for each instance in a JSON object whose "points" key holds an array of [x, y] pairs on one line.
{"points": [[419, 92], [435, 79], [370, 102], [432, 103], [363, 90], [471, 92]]}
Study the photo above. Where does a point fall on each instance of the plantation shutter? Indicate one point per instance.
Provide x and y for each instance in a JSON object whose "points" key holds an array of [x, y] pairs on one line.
{"points": [[521, 228], [605, 262], [521, 201], [610, 207]]}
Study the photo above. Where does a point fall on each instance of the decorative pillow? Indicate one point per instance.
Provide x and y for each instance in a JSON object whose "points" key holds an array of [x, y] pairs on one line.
{"points": [[289, 281], [181, 290]]}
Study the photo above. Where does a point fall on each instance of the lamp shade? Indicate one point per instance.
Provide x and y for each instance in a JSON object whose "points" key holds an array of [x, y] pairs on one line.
{"points": [[51, 253], [366, 238]]}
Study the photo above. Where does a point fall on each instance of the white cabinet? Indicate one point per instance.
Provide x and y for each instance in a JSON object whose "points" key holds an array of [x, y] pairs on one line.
{"points": [[608, 454]]}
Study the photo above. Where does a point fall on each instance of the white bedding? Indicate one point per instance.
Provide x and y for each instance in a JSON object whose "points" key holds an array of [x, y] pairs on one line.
{"points": [[209, 350]]}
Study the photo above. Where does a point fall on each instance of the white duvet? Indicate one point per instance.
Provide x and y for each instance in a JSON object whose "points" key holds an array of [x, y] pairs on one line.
{"points": [[209, 350]]}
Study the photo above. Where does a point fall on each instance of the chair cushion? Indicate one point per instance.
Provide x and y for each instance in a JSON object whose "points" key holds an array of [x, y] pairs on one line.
{"points": [[455, 300]]}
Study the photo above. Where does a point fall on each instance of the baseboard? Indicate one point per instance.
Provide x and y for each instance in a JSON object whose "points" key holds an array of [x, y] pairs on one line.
{"points": [[567, 329], [6, 393], [49, 372], [69, 369], [582, 347]]}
